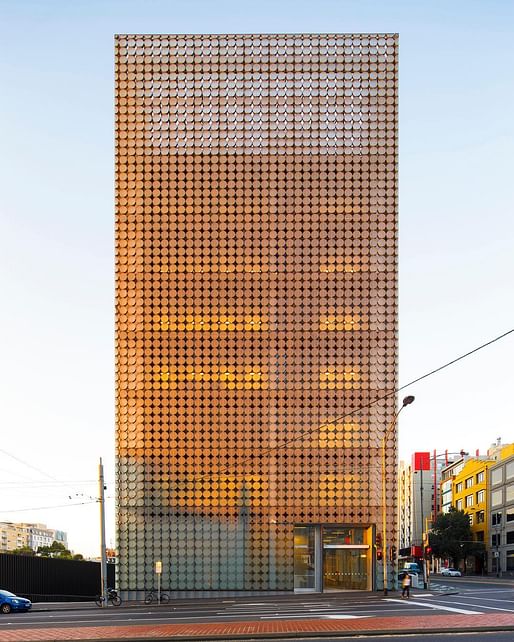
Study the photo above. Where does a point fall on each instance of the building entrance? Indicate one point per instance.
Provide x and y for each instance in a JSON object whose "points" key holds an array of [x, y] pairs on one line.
{"points": [[333, 558]]}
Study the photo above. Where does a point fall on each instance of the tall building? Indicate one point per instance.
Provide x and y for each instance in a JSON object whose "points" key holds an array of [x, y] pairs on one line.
{"points": [[405, 508], [35, 536], [256, 318], [13, 536], [419, 500], [500, 520], [475, 491]]}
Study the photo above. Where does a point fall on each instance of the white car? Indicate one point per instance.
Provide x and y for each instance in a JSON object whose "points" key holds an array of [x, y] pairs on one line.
{"points": [[450, 572]]}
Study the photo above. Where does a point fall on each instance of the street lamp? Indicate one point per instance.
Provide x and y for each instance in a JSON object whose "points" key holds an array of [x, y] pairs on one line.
{"points": [[406, 402]]}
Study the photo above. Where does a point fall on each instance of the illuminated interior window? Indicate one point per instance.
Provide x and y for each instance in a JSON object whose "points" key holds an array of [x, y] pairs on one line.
{"points": [[343, 322], [340, 378], [243, 377], [212, 323]]}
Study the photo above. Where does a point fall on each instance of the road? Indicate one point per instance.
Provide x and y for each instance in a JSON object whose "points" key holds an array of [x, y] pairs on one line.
{"points": [[437, 637], [465, 596]]}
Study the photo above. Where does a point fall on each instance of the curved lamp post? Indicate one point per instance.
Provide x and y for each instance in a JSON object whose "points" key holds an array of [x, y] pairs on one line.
{"points": [[406, 402]]}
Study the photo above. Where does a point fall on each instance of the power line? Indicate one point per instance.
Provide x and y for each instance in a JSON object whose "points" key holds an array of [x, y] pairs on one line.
{"points": [[45, 484], [41, 472], [304, 433], [450, 363], [24, 510], [309, 431]]}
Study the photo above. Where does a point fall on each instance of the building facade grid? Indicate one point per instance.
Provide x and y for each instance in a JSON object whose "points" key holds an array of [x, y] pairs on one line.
{"points": [[256, 310]]}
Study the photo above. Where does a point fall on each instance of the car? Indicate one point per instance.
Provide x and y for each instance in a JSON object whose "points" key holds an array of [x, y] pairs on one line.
{"points": [[412, 566], [10, 602], [450, 572]]}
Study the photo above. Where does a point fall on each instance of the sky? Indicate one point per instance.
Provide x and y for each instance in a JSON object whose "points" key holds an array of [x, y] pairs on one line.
{"points": [[57, 227]]}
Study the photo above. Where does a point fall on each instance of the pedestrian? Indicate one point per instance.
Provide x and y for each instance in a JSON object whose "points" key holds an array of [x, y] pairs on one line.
{"points": [[406, 582]]}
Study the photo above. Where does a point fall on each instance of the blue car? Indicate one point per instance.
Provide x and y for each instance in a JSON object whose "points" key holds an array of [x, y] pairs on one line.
{"points": [[10, 602]]}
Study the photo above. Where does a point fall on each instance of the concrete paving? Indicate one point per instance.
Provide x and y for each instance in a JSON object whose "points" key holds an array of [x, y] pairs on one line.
{"points": [[278, 629]]}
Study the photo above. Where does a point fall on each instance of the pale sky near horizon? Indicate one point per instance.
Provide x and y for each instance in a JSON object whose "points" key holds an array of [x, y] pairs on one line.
{"points": [[56, 234]]}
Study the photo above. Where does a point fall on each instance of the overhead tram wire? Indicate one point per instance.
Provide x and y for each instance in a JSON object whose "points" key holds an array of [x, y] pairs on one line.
{"points": [[23, 510], [51, 477], [21, 461], [306, 433]]}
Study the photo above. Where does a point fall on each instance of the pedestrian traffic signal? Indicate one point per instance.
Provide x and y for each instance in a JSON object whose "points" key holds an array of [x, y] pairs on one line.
{"points": [[379, 555]]}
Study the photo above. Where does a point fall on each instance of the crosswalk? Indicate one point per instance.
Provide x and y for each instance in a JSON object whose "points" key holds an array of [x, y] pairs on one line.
{"points": [[440, 599]]}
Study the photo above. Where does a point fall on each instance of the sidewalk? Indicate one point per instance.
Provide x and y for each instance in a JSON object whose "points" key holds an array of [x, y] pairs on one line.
{"points": [[278, 629]]}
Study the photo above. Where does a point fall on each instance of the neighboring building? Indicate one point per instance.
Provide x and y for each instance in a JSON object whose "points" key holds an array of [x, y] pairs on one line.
{"points": [[448, 474], [39, 536], [415, 487], [13, 536], [256, 272], [61, 537], [405, 508], [501, 518], [470, 495]]}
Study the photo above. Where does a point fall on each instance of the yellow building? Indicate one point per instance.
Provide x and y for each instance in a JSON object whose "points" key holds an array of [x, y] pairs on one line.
{"points": [[470, 491], [13, 536]]}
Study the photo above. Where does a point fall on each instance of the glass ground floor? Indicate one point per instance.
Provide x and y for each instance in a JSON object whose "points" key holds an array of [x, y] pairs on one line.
{"points": [[333, 558]]}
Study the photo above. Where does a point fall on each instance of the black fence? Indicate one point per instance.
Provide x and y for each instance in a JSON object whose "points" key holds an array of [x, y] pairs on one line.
{"points": [[44, 579]]}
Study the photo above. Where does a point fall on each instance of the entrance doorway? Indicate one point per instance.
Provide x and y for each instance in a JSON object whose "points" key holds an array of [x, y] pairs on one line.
{"points": [[333, 558]]}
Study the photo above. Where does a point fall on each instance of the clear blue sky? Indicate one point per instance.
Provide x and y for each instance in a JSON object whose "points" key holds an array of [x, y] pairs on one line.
{"points": [[56, 200]]}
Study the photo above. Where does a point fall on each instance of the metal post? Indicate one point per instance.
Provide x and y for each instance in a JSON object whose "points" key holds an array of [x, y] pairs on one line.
{"points": [[435, 484], [384, 514], [406, 401], [423, 561], [103, 553]]}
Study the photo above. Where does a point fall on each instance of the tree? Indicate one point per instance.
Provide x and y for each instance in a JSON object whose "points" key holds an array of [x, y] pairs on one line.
{"points": [[451, 537], [23, 550], [56, 549]]}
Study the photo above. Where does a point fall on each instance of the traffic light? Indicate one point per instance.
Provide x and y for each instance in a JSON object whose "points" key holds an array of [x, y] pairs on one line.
{"points": [[428, 551], [379, 555], [392, 553]]}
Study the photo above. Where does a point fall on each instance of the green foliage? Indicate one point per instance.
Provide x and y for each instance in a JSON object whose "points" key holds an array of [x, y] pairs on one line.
{"points": [[451, 537], [23, 550], [59, 551]]}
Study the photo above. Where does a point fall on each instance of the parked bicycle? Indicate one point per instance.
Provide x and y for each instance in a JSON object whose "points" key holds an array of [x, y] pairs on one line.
{"points": [[112, 597], [152, 596]]}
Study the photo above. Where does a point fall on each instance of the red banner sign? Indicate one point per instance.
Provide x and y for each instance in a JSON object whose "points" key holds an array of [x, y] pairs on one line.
{"points": [[421, 461]]}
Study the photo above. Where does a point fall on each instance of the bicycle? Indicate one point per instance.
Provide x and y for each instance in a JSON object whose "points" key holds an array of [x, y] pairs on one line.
{"points": [[112, 597], [152, 596]]}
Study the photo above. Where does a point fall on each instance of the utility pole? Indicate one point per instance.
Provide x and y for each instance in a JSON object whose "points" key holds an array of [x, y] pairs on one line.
{"points": [[424, 562], [101, 500]]}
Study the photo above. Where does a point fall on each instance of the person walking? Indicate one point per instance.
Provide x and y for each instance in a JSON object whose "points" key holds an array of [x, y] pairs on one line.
{"points": [[406, 582]]}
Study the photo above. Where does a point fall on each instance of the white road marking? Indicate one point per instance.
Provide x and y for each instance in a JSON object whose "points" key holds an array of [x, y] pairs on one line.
{"points": [[483, 606], [326, 617], [489, 599], [436, 606], [344, 617]]}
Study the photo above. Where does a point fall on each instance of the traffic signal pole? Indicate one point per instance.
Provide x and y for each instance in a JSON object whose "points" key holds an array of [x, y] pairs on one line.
{"points": [[423, 559]]}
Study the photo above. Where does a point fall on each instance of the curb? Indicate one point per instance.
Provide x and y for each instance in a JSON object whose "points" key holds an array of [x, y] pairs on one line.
{"points": [[292, 634]]}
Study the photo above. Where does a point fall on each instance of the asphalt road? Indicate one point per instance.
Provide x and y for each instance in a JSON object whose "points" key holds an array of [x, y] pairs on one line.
{"points": [[446, 596], [436, 637]]}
